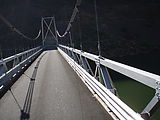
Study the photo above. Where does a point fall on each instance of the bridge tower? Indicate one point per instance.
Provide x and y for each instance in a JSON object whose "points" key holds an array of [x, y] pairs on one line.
{"points": [[49, 36]]}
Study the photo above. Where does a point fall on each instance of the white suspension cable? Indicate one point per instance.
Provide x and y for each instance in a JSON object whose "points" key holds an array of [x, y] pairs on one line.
{"points": [[75, 11], [18, 31], [39, 33]]}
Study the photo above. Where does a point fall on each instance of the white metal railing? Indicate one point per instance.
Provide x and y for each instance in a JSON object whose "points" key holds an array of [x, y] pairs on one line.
{"points": [[144, 77], [12, 65], [114, 103]]}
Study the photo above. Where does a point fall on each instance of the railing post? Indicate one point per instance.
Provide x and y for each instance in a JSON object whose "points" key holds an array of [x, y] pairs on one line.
{"points": [[153, 104], [3, 68], [16, 61], [74, 56], [121, 110], [86, 65], [107, 79], [102, 75], [97, 74]]}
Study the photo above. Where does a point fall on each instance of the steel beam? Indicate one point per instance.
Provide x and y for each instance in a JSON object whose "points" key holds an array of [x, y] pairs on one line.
{"points": [[141, 76], [18, 65], [146, 78], [120, 109]]}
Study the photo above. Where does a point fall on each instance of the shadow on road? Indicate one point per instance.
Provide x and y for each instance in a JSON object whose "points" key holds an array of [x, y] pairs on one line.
{"points": [[25, 112]]}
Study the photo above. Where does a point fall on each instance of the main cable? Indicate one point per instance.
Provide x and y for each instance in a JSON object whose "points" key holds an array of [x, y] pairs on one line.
{"points": [[75, 11], [13, 28]]}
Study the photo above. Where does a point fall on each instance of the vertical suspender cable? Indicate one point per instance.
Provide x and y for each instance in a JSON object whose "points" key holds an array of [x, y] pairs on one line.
{"points": [[99, 47], [55, 28], [81, 46], [68, 41], [79, 27], [14, 29], [1, 54], [42, 31], [72, 19], [70, 37]]}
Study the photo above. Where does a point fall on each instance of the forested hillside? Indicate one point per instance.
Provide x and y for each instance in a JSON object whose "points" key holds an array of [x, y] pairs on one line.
{"points": [[129, 29]]}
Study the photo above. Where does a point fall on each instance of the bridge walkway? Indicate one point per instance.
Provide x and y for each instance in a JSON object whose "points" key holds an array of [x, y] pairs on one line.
{"points": [[58, 94]]}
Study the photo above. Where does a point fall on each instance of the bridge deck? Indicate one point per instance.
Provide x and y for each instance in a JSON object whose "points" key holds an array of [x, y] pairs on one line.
{"points": [[58, 94]]}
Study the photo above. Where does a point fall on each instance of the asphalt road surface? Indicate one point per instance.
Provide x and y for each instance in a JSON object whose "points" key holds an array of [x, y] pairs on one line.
{"points": [[57, 93]]}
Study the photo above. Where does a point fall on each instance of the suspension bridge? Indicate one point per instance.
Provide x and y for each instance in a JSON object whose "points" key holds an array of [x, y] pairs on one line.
{"points": [[56, 82]]}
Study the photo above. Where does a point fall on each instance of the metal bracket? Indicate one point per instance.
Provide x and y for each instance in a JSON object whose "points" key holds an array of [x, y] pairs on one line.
{"points": [[158, 89], [154, 103], [98, 71], [100, 57], [97, 61]]}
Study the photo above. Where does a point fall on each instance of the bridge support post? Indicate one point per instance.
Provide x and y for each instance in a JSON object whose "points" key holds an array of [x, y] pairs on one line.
{"points": [[75, 56], [16, 61], [101, 72], [86, 65], [3, 68], [104, 77], [107, 79], [119, 108], [153, 104]]}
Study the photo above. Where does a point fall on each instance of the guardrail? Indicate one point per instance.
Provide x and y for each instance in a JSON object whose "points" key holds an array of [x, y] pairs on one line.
{"points": [[76, 57], [12, 66]]}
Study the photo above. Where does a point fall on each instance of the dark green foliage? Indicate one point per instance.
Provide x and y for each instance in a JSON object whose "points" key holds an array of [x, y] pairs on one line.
{"points": [[127, 27]]}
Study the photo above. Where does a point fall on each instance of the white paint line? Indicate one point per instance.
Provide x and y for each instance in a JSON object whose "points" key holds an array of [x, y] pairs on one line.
{"points": [[14, 75], [1, 87]]}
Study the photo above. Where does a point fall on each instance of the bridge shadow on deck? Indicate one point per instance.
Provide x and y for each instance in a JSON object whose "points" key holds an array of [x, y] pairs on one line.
{"points": [[25, 112], [79, 104]]}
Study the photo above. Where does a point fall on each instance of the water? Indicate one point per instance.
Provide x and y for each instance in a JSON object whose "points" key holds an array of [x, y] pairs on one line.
{"points": [[135, 95]]}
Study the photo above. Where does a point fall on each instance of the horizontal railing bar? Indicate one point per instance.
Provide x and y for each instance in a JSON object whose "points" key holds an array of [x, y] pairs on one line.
{"points": [[141, 76], [114, 103], [7, 76], [19, 64], [16, 55]]}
